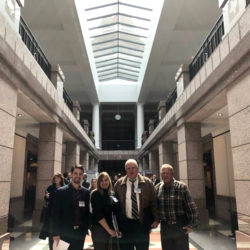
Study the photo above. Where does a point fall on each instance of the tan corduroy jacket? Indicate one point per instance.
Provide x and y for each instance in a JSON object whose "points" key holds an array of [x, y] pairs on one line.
{"points": [[148, 199]]}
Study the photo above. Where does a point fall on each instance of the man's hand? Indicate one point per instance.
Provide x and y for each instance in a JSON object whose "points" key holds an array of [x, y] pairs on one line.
{"points": [[155, 224], [188, 229], [56, 239]]}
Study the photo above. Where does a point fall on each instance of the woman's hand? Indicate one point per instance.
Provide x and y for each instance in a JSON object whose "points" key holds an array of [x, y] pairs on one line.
{"points": [[47, 195], [112, 233]]}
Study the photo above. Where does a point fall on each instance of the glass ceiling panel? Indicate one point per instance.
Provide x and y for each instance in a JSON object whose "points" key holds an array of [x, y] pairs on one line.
{"points": [[137, 12], [103, 21], [134, 22], [100, 12], [114, 71], [104, 45], [103, 30], [105, 52], [118, 32], [129, 68], [104, 38], [135, 39], [106, 68], [105, 63], [133, 30], [105, 58], [129, 62], [132, 45]]}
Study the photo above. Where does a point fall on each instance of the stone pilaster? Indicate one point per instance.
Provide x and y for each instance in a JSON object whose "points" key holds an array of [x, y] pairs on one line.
{"points": [[85, 160], [182, 78], [161, 110], [154, 162], [150, 126], [76, 110], [49, 162], [239, 122], [145, 162], [57, 78], [86, 126], [8, 104], [191, 166], [166, 154], [72, 155]]}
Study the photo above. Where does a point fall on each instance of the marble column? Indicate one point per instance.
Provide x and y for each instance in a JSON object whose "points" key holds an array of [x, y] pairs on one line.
{"points": [[96, 124], [239, 121], [139, 124], [8, 107], [49, 162], [191, 165], [72, 155], [85, 160], [154, 162]]}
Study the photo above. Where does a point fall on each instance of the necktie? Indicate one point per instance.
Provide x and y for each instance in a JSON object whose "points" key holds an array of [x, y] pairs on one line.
{"points": [[135, 214]]}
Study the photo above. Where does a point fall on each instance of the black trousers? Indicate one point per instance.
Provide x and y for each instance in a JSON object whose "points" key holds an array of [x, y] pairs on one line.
{"points": [[173, 237], [134, 235], [77, 241], [102, 240]]}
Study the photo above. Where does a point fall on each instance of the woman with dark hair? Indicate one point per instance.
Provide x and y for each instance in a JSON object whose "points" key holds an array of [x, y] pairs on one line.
{"points": [[57, 182], [104, 206]]}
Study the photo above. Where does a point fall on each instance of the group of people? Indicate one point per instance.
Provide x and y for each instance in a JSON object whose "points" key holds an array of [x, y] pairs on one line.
{"points": [[120, 216]]}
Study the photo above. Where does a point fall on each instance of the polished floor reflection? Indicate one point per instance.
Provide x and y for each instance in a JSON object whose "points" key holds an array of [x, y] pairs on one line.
{"points": [[216, 237]]}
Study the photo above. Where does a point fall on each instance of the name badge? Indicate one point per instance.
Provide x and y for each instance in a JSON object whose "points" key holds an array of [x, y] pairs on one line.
{"points": [[81, 203], [137, 190], [114, 199]]}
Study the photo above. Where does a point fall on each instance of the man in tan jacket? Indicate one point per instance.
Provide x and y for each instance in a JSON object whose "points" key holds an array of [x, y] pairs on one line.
{"points": [[138, 202]]}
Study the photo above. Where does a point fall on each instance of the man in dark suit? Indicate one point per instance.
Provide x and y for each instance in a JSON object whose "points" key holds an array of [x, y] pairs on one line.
{"points": [[71, 212], [138, 203]]}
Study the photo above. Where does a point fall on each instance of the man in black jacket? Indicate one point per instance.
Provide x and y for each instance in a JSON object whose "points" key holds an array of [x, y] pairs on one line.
{"points": [[71, 212]]}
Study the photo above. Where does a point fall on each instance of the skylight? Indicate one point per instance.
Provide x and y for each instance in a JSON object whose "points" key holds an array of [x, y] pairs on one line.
{"points": [[119, 33]]}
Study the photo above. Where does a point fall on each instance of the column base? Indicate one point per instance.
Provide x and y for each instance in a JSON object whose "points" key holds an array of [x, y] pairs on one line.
{"points": [[4, 237], [203, 218], [242, 240], [36, 224]]}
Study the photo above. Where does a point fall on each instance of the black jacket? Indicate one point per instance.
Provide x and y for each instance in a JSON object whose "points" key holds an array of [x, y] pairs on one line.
{"points": [[63, 213]]}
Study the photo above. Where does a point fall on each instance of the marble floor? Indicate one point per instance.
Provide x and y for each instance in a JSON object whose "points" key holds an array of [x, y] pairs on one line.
{"points": [[216, 237]]}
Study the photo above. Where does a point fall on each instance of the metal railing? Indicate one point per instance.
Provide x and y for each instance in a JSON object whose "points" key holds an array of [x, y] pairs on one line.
{"points": [[211, 42], [33, 46], [67, 99], [118, 144], [171, 99]]}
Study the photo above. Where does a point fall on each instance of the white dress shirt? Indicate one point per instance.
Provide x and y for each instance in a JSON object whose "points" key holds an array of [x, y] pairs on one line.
{"points": [[128, 197]]}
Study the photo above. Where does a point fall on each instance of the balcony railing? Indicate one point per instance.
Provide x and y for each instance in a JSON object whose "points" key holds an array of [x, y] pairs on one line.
{"points": [[171, 99], [67, 100], [118, 144], [211, 42], [33, 46]]}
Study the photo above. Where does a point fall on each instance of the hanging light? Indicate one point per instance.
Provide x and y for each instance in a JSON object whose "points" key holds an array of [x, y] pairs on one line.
{"points": [[118, 117]]}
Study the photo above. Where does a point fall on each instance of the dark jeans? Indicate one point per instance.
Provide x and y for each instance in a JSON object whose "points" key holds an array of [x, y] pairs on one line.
{"points": [[101, 239], [134, 235], [173, 237]]}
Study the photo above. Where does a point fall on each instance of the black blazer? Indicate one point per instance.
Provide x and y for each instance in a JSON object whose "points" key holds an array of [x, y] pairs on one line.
{"points": [[63, 213]]}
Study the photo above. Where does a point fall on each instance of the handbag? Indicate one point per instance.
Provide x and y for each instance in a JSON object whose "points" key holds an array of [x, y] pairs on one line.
{"points": [[44, 213]]}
